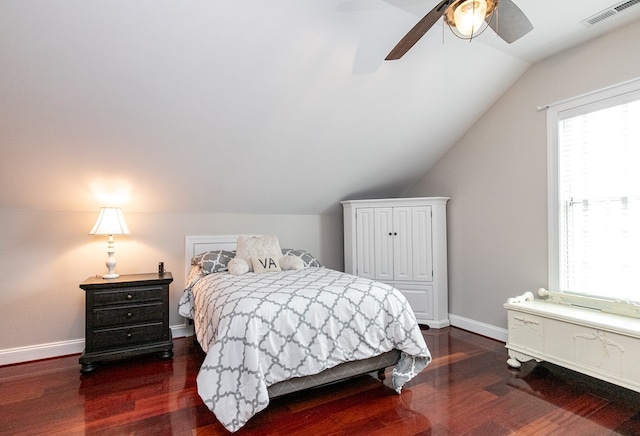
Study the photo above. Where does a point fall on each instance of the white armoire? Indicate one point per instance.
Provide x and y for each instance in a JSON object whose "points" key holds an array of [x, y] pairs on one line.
{"points": [[402, 242]]}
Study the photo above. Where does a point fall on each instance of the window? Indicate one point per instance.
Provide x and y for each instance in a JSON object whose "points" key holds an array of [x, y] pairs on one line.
{"points": [[594, 194]]}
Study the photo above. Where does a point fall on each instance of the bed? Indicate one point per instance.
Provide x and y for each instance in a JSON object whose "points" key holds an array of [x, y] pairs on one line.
{"points": [[267, 333]]}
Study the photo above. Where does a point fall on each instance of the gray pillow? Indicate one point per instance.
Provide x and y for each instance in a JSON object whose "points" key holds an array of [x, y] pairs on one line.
{"points": [[306, 257], [213, 261]]}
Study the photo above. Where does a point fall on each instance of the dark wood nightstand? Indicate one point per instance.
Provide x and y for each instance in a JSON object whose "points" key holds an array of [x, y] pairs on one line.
{"points": [[127, 316]]}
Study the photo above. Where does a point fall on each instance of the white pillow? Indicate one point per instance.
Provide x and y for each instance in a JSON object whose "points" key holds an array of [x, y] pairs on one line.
{"points": [[291, 263], [263, 264], [247, 246], [237, 267]]}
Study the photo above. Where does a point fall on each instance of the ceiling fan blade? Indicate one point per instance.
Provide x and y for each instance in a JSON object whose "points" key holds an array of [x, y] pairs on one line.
{"points": [[509, 22], [418, 31]]}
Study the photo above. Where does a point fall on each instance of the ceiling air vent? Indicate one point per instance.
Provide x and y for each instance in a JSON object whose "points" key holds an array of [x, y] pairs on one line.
{"points": [[609, 12]]}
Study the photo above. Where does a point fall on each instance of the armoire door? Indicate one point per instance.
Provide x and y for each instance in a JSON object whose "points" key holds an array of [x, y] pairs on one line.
{"points": [[365, 265], [422, 249], [383, 243], [402, 243]]}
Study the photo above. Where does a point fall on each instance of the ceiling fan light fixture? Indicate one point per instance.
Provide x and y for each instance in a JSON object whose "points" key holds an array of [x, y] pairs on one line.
{"points": [[466, 18], [469, 16]]}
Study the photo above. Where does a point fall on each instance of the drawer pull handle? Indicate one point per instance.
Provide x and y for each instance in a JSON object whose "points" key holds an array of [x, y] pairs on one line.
{"points": [[129, 297], [129, 314], [129, 335]]}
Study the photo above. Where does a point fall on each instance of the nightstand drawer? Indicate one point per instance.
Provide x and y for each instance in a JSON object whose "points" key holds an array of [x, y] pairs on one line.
{"points": [[130, 295], [125, 336], [110, 316]]}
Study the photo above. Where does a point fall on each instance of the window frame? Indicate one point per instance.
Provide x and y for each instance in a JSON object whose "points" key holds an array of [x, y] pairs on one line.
{"points": [[611, 96]]}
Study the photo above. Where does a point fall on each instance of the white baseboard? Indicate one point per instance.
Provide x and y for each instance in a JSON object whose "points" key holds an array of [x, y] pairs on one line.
{"points": [[10, 356], [76, 346], [40, 351], [182, 330], [478, 327]]}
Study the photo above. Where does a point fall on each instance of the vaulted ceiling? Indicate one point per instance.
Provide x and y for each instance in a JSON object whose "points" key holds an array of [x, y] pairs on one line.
{"points": [[245, 106]]}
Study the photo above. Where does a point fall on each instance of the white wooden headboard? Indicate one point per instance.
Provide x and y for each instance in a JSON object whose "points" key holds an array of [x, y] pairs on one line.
{"points": [[199, 244], [194, 245]]}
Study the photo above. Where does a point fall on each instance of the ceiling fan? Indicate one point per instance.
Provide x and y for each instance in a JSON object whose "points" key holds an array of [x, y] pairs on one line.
{"points": [[466, 18]]}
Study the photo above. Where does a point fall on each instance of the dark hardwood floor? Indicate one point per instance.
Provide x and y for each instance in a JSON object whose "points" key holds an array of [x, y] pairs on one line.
{"points": [[467, 389]]}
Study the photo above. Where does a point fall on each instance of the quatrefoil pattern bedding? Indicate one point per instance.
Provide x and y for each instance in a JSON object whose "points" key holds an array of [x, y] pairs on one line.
{"points": [[260, 329]]}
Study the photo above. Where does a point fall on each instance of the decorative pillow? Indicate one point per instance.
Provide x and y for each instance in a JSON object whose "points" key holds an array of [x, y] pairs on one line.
{"points": [[238, 267], [213, 261], [306, 257], [291, 263], [196, 260], [248, 246], [263, 264]]}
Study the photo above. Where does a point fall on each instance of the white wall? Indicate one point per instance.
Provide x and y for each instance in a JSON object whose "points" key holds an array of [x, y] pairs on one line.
{"points": [[44, 255], [496, 177]]}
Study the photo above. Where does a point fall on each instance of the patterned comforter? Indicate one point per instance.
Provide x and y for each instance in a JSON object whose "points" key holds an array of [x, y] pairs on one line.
{"points": [[260, 329]]}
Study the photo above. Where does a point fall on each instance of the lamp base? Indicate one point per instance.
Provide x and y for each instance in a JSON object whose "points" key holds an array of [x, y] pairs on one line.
{"points": [[111, 276], [111, 260]]}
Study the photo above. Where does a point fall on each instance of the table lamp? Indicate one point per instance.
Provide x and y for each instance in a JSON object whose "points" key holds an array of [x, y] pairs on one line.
{"points": [[110, 222]]}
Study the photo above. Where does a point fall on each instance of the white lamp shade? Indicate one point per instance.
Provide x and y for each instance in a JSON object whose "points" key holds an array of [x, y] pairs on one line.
{"points": [[110, 222]]}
